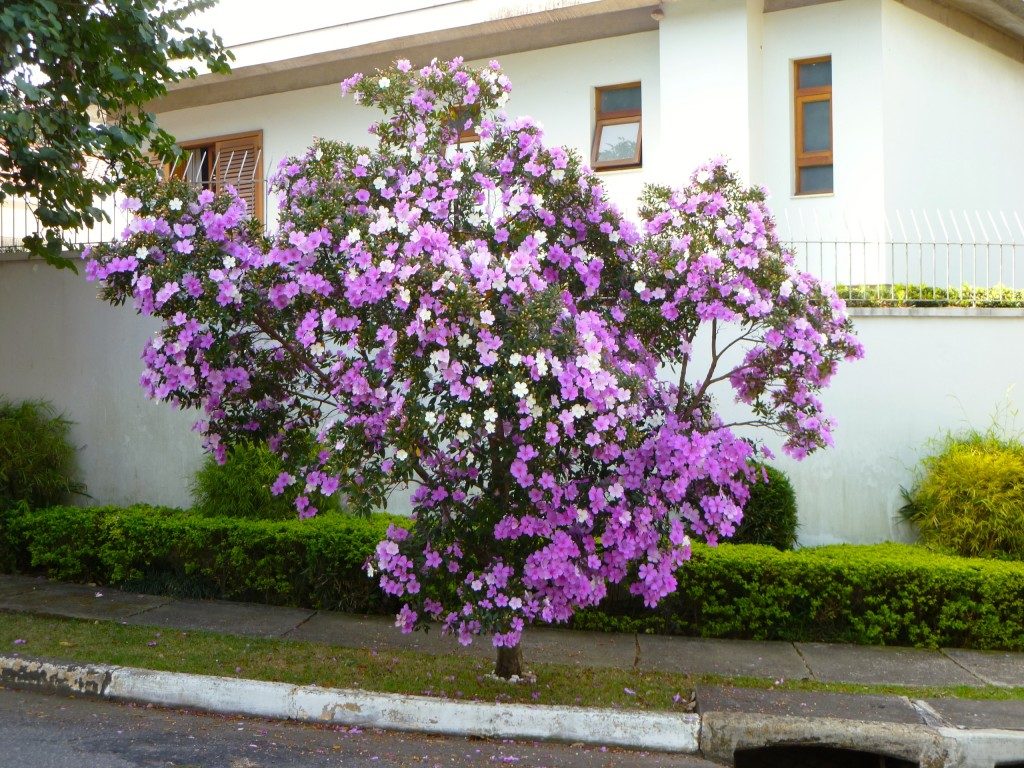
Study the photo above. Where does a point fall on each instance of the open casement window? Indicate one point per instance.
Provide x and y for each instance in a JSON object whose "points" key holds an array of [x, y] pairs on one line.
{"points": [[813, 121], [465, 120], [618, 129], [216, 163]]}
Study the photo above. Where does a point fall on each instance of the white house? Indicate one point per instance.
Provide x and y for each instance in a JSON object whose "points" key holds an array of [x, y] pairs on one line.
{"points": [[890, 134]]}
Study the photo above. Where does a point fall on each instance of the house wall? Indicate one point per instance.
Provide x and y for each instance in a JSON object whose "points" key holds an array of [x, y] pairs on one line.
{"points": [[851, 32], [954, 118], [59, 343], [554, 85], [920, 378]]}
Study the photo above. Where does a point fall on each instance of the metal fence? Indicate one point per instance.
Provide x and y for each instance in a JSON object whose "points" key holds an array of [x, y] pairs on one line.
{"points": [[964, 256], [916, 256], [238, 168]]}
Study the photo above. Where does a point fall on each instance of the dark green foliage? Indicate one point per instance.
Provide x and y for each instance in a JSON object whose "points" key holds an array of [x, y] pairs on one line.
{"points": [[317, 563], [769, 517], [241, 487], [62, 62], [37, 461], [891, 594], [969, 496], [882, 594]]}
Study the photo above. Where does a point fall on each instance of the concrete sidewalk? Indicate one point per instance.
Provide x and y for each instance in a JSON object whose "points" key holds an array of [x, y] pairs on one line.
{"points": [[733, 658]]}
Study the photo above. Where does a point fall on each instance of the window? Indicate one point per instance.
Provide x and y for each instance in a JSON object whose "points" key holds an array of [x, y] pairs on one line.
{"points": [[617, 127], [235, 160], [464, 121], [813, 101]]}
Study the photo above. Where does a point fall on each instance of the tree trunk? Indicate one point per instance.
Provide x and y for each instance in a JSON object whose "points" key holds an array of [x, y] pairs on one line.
{"points": [[509, 663]]}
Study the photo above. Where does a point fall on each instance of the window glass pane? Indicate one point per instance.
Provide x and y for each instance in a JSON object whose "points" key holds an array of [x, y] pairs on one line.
{"points": [[817, 126], [815, 75], [815, 178], [620, 99], [617, 141]]}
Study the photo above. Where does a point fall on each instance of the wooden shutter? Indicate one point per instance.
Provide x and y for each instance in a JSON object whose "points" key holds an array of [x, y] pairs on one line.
{"points": [[238, 161]]}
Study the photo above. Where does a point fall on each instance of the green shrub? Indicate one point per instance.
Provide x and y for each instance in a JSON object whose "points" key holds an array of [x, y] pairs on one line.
{"points": [[37, 461], [891, 594], [315, 563], [882, 594], [968, 497], [241, 487], [769, 517], [921, 295]]}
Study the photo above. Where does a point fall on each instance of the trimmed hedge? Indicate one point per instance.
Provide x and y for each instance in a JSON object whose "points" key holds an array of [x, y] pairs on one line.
{"points": [[881, 594], [315, 563], [912, 295], [891, 594]]}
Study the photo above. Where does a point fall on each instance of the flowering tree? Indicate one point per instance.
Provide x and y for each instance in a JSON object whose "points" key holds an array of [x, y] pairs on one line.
{"points": [[479, 322]]}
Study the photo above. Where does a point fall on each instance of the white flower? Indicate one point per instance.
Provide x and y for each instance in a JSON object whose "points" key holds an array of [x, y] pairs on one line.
{"points": [[370, 571], [229, 262], [577, 411], [489, 427], [640, 286], [515, 603], [457, 174], [141, 253], [515, 358], [558, 174], [387, 266], [354, 235], [430, 417], [465, 420], [582, 516], [464, 341], [615, 491], [401, 454], [462, 435], [175, 204], [477, 585], [317, 349], [384, 82], [490, 415], [404, 295], [482, 384], [520, 389], [379, 182], [424, 314], [486, 317]]}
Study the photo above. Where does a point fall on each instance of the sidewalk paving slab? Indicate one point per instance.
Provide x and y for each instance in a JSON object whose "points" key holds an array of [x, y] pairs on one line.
{"points": [[966, 713], [13, 585], [80, 602], [994, 667], [845, 706], [874, 665], [220, 616], [699, 656]]}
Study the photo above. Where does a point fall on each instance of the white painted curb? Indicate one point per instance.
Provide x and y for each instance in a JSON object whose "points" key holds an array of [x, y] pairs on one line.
{"points": [[664, 732]]}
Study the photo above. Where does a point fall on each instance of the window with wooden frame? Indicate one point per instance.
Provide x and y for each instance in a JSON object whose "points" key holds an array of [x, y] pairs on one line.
{"points": [[235, 160], [465, 121], [812, 92], [618, 129]]}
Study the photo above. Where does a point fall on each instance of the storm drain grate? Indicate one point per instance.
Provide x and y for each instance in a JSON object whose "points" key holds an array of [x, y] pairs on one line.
{"points": [[815, 757]]}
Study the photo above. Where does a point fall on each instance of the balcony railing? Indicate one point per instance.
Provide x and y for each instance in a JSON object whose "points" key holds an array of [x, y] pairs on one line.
{"points": [[913, 257]]}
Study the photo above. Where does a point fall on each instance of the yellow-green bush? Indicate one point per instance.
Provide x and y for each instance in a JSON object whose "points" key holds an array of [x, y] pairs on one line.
{"points": [[969, 496]]}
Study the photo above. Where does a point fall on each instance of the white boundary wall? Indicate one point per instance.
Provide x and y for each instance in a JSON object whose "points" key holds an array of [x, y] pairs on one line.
{"points": [[934, 371]]}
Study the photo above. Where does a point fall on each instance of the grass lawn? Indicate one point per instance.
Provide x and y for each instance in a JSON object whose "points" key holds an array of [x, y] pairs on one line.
{"points": [[456, 677]]}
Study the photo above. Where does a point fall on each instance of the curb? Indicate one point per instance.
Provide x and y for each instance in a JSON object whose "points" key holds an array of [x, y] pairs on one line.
{"points": [[638, 730], [715, 735]]}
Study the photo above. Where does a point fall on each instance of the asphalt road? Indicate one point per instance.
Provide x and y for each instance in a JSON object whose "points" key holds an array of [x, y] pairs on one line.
{"points": [[45, 731]]}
